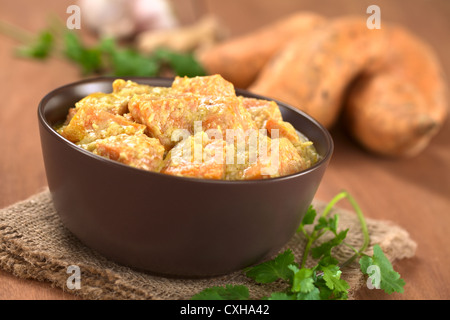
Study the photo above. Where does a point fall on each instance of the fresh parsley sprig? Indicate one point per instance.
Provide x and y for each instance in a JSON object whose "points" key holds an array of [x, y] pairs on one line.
{"points": [[322, 281], [106, 57]]}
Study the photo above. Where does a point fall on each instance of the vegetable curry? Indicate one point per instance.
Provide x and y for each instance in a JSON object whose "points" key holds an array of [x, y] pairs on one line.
{"points": [[196, 128]]}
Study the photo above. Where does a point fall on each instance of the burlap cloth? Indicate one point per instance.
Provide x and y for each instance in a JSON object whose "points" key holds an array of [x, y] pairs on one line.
{"points": [[35, 245]]}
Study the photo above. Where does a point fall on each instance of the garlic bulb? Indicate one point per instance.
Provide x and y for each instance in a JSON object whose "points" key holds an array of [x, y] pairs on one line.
{"points": [[124, 18]]}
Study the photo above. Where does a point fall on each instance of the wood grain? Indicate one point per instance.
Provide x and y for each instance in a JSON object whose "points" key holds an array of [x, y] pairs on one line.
{"points": [[414, 193]]}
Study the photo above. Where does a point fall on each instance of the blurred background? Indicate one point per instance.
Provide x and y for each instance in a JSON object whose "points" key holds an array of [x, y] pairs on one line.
{"points": [[36, 57]]}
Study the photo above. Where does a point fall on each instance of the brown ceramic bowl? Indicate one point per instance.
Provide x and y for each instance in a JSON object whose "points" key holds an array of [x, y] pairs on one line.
{"points": [[171, 225]]}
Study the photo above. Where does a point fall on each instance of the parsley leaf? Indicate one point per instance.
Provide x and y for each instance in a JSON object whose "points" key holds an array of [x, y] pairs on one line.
{"points": [[40, 48], [88, 58], [184, 64], [323, 281], [303, 280], [282, 296], [229, 292], [325, 224], [325, 248], [273, 270], [314, 294], [122, 62], [389, 279], [128, 62], [104, 57], [332, 277], [310, 216]]}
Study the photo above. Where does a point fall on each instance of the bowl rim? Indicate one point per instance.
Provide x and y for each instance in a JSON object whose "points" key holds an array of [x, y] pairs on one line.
{"points": [[325, 159]]}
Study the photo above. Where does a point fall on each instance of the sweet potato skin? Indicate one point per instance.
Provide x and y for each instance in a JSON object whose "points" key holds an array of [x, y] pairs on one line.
{"points": [[313, 71], [387, 83], [398, 109], [389, 116], [240, 59]]}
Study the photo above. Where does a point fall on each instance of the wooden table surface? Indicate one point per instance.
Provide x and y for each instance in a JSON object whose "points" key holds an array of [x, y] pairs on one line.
{"points": [[413, 193]]}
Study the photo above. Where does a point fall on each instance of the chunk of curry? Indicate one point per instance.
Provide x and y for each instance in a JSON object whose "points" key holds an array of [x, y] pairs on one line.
{"points": [[139, 150], [91, 123], [198, 127], [163, 116]]}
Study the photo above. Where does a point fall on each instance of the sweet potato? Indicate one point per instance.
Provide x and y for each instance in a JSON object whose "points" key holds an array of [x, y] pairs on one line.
{"points": [[261, 111], [313, 71], [208, 162], [91, 123], [289, 161], [240, 59], [137, 150], [208, 100], [117, 101], [214, 85], [391, 80], [397, 111]]}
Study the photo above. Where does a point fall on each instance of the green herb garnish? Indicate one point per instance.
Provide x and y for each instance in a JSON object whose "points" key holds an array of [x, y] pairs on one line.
{"points": [[389, 280], [322, 281], [105, 57]]}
